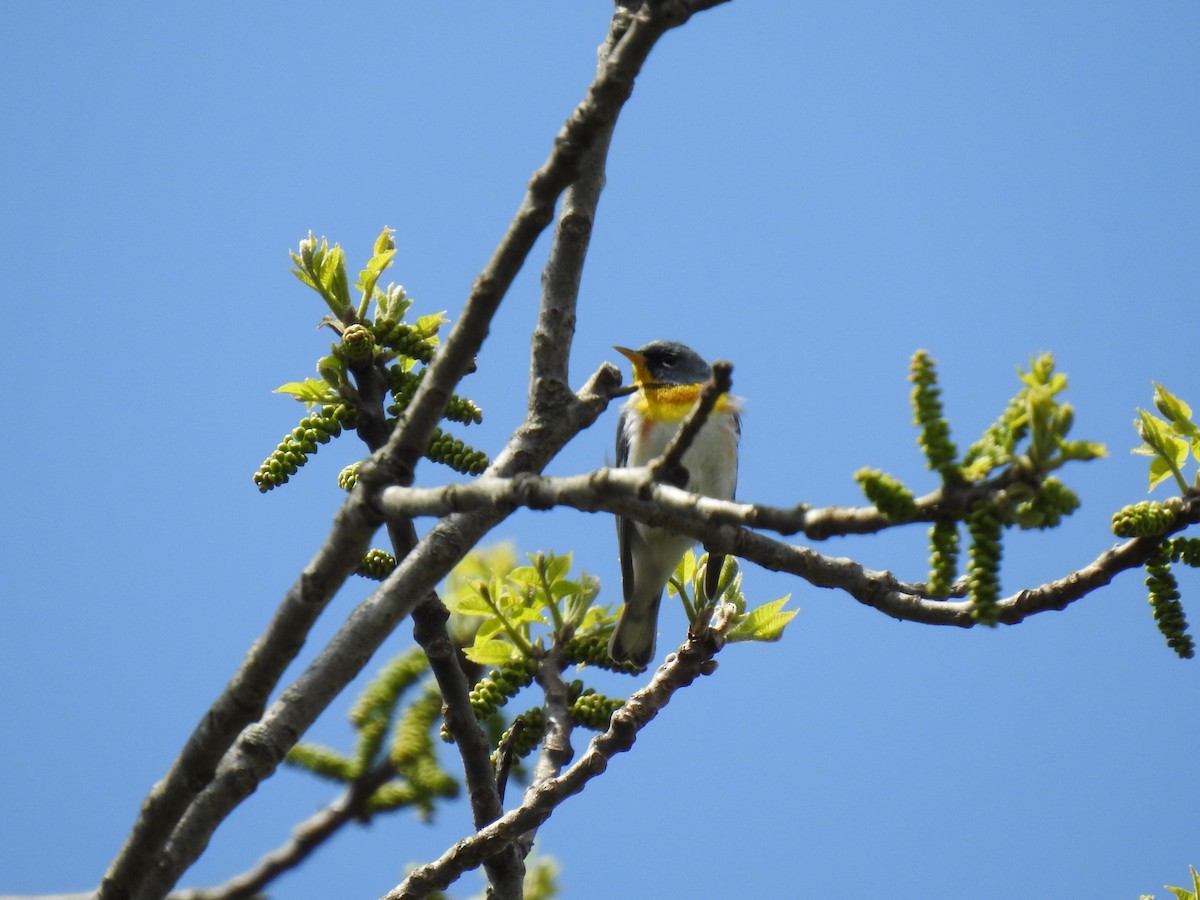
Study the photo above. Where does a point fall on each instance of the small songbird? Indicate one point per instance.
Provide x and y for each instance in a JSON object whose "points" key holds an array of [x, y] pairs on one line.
{"points": [[669, 377]]}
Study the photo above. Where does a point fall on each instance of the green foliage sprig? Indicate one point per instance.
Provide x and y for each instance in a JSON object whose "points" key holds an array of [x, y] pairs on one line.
{"points": [[1168, 441], [1032, 432], [375, 342], [763, 623], [1182, 893], [523, 608], [1029, 440]]}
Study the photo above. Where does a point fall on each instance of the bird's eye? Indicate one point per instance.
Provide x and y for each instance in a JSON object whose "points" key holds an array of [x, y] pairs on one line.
{"points": [[669, 362]]}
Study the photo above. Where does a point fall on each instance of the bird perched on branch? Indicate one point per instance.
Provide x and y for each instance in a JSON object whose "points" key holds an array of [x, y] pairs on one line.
{"points": [[669, 377]]}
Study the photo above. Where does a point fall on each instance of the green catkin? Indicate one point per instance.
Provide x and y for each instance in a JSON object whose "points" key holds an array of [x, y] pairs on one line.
{"points": [[406, 340], [372, 713], [404, 385], [1164, 601], [1048, 506], [890, 497], [1143, 519], [411, 738], [593, 710], [496, 688], [528, 728], [348, 477], [983, 563], [322, 762], [450, 451], [1186, 551], [592, 650], [318, 427], [943, 557], [376, 564], [934, 438]]}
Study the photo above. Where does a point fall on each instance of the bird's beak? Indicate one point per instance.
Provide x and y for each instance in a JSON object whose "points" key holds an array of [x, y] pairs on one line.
{"points": [[641, 375]]}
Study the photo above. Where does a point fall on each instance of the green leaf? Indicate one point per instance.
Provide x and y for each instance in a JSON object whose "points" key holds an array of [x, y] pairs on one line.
{"points": [[310, 391], [1160, 471], [491, 653], [526, 576], [1172, 408], [428, 325], [686, 570], [467, 603], [766, 623], [386, 241], [488, 629], [557, 567]]}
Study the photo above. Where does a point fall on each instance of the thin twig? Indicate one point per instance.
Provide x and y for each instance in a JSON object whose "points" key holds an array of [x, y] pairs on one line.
{"points": [[556, 751], [669, 467], [307, 837]]}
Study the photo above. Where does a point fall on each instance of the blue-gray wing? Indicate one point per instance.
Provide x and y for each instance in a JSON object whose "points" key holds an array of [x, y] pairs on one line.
{"points": [[625, 533]]}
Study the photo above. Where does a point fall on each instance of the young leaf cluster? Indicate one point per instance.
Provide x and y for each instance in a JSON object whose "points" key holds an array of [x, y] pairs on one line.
{"points": [[517, 616], [525, 609], [389, 734], [763, 623], [1169, 440], [379, 353], [1182, 893]]}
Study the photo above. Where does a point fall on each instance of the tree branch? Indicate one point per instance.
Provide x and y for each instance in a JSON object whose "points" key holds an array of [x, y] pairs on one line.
{"points": [[142, 869], [307, 837], [724, 527], [243, 699], [260, 748], [693, 659], [636, 37]]}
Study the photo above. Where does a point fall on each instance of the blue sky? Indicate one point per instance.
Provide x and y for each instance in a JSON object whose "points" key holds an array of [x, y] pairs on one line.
{"points": [[812, 191]]}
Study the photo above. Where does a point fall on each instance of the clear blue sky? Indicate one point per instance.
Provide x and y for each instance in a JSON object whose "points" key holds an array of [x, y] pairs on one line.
{"points": [[812, 191]]}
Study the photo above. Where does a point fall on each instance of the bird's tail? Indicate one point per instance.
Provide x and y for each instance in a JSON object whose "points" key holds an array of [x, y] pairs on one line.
{"points": [[633, 638]]}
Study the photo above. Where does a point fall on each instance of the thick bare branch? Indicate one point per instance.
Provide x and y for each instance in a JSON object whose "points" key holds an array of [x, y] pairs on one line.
{"points": [[724, 526], [260, 748], [306, 837], [130, 874], [243, 699]]}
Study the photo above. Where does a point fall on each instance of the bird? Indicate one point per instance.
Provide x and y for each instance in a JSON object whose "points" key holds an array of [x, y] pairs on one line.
{"points": [[668, 376]]}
